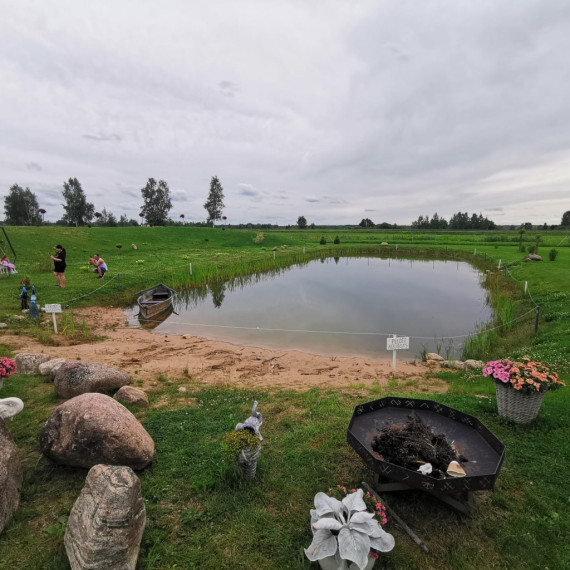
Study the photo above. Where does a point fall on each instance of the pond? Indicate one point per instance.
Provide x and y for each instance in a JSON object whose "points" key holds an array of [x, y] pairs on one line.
{"points": [[339, 306]]}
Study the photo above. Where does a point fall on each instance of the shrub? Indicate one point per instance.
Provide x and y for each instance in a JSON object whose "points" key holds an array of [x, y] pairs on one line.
{"points": [[259, 237], [552, 254], [323, 240], [531, 248], [336, 240]]}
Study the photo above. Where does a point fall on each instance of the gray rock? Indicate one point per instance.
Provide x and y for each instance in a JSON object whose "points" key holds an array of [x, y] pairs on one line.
{"points": [[532, 257], [10, 476], [28, 363], [474, 364], [457, 364], [9, 407], [434, 357], [107, 521], [48, 368], [76, 377], [130, 395], [94, 428], [3, 326]]}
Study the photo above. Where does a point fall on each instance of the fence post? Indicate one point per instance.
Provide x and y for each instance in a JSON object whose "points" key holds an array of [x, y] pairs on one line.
{"points": [[536, 321], [506, 271]]}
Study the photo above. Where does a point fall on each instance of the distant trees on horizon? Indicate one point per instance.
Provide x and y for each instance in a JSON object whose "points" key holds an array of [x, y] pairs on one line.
{"points": [[459, 221]]}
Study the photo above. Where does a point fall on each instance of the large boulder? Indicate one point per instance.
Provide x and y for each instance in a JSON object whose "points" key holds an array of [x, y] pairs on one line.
{"points": [[532, 257], [107, 521], [77, 377], [10, 476], [49, 368], [131, 395], [93, 428], [28, 363]]}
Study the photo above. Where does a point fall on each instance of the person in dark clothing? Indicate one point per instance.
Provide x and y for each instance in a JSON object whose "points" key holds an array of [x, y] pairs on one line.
{"points": [[59, 265]]}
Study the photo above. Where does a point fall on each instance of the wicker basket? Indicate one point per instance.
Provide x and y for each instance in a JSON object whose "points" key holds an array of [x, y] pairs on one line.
{"points": [[519, 407]]}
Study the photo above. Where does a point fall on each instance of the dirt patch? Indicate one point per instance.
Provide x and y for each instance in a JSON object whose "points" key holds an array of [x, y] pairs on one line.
{"points": [[145, 356]]}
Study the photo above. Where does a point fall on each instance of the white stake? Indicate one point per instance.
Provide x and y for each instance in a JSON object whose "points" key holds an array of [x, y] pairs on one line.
{"points": [[54, 323], [499, 264], [394, 356], [190, 268], [525, 286]]}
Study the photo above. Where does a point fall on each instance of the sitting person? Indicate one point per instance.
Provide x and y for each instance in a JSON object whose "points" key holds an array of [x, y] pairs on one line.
{"points": [[100, 265], [6, 263]]}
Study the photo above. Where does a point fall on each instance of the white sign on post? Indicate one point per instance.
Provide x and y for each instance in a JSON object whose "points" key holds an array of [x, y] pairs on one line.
{"points": [[53, 309], [395, 343], [398, 342]]}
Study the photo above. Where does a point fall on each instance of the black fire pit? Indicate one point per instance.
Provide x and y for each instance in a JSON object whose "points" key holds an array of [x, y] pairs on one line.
{"points": [[484, 451]]}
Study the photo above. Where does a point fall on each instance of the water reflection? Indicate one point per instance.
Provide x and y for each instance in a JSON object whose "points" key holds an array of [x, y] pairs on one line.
{"points": [[336, 308]]}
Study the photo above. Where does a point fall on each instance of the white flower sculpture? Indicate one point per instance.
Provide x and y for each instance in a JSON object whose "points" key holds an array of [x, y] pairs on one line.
{"points": [[346, 530]]}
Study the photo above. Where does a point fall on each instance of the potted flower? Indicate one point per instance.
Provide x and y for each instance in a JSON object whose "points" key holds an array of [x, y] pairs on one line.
{"points": [[347, 530], [7, 368], [243, 448], [520, 387]]}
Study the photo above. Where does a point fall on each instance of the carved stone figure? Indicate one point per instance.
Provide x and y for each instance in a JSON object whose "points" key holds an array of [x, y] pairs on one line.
{"points": [[253, 423]]}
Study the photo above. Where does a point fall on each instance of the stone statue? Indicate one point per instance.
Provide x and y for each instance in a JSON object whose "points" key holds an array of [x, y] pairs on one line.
{"points": [[9, 407], [253, 423]]}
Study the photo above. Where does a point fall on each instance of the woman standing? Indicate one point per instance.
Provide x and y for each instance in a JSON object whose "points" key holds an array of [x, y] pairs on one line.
{"points": [[59, 265]]}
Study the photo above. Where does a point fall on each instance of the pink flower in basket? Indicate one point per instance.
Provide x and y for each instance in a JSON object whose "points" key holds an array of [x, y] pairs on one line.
{"points": [[7, 367], [527, 376]]}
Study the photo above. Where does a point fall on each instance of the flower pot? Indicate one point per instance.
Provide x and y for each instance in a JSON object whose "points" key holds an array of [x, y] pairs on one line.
{"points": [[331, 563], [518, 406], [247, 460]]}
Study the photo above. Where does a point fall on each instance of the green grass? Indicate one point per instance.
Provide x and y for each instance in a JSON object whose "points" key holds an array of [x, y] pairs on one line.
{"points": [[200, 514]]}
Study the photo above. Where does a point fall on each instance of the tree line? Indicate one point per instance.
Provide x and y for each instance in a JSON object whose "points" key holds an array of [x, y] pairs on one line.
{"points": [[21, 207]]}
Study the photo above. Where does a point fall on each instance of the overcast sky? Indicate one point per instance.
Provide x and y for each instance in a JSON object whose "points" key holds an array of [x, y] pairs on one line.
{"points": [[336, 110]]}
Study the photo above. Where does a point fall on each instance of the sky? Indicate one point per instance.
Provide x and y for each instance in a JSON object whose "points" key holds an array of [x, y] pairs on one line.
{"points": [[335, 110]]}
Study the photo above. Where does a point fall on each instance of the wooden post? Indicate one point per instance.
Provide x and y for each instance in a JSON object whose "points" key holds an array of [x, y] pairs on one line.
{"points": [[394, 356], [54, 323]]}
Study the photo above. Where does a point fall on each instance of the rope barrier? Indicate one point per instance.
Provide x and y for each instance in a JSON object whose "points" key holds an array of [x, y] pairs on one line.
{"points": [[70, 301]]}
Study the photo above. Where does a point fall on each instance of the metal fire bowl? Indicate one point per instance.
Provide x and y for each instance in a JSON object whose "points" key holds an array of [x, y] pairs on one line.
{"points": [[470, 437]]}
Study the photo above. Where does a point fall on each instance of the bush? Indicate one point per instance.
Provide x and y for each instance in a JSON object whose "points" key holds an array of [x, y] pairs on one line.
{"points": [[259, 237], [323, 240], [531, 248], [336, 240], [552, 254]]}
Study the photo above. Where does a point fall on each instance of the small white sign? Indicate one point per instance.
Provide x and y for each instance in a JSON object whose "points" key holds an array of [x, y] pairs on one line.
{"points": [[53, 308], [397, 343]]}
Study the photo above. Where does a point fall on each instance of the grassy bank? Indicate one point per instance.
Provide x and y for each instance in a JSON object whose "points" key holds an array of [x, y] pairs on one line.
{"points": [[199, 514]]}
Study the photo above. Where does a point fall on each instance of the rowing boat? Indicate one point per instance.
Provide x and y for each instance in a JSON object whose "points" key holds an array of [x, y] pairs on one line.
{"points": [[155, 301]]}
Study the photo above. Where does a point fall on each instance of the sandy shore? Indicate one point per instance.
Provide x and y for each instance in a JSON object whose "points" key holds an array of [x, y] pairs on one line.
{"points": [[146, 355]]}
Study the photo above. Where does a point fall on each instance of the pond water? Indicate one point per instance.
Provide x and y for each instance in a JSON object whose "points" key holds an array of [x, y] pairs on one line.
{"points": [[339, 306]]}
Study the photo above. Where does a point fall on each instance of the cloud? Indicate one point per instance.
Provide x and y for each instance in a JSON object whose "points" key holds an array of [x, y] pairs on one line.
{"points": [[338, 108], [248, 190], [107, 137], [33, 167]]}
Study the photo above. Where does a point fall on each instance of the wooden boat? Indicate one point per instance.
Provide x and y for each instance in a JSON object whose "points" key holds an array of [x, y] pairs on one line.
{"points": [[155, 301]]}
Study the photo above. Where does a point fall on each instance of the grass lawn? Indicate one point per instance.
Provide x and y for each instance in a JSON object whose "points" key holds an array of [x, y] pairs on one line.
{"points": [[199, 513]]}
